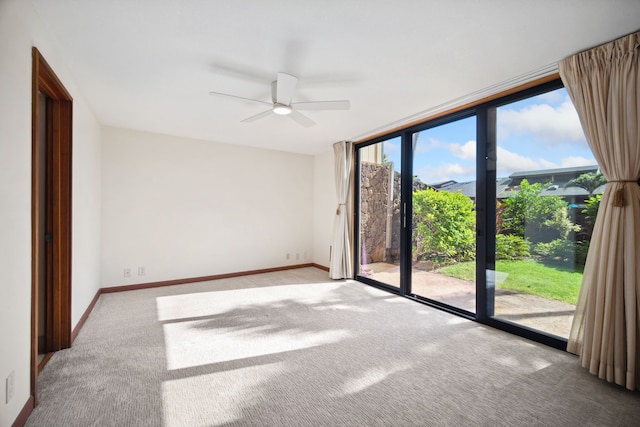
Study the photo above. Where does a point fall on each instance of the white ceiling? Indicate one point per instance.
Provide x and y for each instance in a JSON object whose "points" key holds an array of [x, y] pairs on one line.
{"points": [[149, 64]]}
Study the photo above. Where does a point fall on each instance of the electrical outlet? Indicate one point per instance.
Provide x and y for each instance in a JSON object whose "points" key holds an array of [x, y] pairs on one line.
{"points": [[304, 255], [298, 255], [10, 386], [140, 271], [288, 256], [127, 272]]}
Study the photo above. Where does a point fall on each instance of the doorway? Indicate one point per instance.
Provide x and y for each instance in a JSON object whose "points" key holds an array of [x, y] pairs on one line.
{"points": [[50, 216], [492, 221]]}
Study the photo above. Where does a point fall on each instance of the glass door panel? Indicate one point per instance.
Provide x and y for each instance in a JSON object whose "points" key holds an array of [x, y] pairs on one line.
{"points": [[443, 242], [544, 211], [380, 212]]}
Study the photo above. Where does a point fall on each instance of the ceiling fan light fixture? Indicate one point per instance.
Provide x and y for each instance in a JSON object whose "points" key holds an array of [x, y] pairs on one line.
{"points": [[282, 91], [281, 109]]}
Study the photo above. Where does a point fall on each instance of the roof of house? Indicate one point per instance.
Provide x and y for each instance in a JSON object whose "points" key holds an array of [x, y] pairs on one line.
{"points": [[507, 186], [576, 170]]}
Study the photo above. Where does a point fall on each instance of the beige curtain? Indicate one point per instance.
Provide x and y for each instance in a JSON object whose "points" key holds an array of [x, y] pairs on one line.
{"points": [[604, 85], [340, 262]]}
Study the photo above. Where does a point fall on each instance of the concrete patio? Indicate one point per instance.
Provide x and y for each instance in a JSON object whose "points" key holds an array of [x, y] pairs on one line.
{"points": [[547, 315]]}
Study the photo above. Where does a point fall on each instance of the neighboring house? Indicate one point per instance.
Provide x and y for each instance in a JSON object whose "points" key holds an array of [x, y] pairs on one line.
{"points": [[556, 178]]}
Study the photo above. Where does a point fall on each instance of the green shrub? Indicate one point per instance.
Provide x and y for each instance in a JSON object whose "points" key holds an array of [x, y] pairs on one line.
{"points": [[591, 210], [444, 225], [538, 218], [563, 250], [509, 246], [582, 249]]}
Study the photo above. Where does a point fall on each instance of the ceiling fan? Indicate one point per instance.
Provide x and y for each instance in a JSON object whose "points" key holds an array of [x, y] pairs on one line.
{"points": [[281, 95]]}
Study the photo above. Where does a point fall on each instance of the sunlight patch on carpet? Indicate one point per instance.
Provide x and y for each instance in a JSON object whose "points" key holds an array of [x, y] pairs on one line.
{"points": [[207, 328], [191, 344], [220, 396], [202, 304], [370, 378]]}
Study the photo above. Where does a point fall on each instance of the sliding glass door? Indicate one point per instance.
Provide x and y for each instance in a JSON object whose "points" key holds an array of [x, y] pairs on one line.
{"points": [[443, 238], [486, 212], [379, 212], [547, 194]]}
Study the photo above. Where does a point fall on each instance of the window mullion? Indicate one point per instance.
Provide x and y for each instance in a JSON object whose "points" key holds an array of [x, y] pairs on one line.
{"points": [[485, 211]]}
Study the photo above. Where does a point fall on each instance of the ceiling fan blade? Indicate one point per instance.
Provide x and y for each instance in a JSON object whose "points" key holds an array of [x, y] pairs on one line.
{"points": [[301, 119], [285, 86], [239, 97], [322, 105], [257, 116]]}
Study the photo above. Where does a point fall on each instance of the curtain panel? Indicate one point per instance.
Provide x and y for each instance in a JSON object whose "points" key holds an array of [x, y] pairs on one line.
{"points": [[340, 262], [603, 84]]}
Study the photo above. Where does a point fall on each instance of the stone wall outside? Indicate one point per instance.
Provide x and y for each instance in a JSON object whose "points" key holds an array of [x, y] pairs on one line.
{"points": [[374, 211]]}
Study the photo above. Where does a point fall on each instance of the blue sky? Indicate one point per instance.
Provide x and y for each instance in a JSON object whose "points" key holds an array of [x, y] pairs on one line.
{"points": [[542, 132]]}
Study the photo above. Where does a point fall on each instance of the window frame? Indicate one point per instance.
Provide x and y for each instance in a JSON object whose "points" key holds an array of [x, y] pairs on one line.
{"points": [[485, 111]]}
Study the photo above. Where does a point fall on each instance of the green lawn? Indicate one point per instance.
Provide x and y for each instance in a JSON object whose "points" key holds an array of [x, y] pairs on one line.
{"points": [[530, 277]]}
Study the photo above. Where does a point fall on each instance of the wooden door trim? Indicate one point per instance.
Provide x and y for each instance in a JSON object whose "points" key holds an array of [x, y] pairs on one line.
{"points": [[59, 136]]}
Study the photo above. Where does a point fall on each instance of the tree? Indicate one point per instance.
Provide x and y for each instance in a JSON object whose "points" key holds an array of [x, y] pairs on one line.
{"points": [[500, 225], [444, 225], [537, 218], [588, 181], [591, 212]]}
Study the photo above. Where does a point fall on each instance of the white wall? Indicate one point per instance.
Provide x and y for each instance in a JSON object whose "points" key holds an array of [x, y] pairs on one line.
{"points": [[324, 206], [184, 208], [87, 199], [20, 29], [180, 208]]}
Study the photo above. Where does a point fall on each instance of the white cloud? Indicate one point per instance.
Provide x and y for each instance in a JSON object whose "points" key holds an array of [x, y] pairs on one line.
{"points": [[425, 147], [509, 162], [573, 161], [445, 172], [466, 151], [545, 122], [546, 164]]}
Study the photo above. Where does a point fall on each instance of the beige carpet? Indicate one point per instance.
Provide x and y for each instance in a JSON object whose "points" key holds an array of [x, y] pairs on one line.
{"points": [[296, 349]]}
